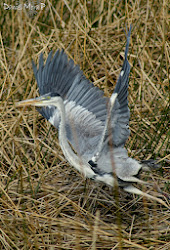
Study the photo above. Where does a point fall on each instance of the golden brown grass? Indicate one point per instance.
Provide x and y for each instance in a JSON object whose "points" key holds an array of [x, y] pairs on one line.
{"points": [[45, 203]]}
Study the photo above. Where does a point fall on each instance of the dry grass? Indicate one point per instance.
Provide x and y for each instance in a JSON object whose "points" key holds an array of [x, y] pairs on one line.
{"points": [[45, 203]]}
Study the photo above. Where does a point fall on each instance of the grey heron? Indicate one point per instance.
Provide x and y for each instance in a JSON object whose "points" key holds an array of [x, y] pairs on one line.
{"points": [[92, 128]]}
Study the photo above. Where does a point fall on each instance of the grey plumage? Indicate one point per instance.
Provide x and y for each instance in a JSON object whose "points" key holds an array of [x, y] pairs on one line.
{"points": [[79, 94], [81, 111]]}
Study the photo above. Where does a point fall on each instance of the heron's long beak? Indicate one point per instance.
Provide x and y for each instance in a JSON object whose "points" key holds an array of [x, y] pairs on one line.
{"points": [[39, 101]]}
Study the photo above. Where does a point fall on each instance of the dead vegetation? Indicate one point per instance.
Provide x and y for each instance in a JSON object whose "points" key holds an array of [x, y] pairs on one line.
{"points": [[45, 203]]}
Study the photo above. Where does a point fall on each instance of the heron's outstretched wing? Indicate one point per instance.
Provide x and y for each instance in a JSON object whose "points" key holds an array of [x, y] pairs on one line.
{"points": [[120, 112], [117, 122], [85, 104], [62, 76], [83, 132]]}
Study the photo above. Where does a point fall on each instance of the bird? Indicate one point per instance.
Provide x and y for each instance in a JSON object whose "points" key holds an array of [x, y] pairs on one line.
{"points": [[92, 128]]}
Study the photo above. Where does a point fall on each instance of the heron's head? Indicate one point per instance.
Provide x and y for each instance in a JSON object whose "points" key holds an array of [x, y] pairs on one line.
{"points": [[44, 100]]}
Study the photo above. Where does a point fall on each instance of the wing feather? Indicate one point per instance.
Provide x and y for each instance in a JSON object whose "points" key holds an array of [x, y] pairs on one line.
{"points": [[89, 112], [83, 132], [121, 113]]}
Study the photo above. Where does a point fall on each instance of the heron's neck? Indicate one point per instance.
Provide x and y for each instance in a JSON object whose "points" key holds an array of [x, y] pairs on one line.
{"points": [[62, 129], [65, 146], [73, 158]]}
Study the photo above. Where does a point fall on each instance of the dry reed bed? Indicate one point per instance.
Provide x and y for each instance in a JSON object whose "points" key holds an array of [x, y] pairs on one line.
{"points": [[45, 203]]}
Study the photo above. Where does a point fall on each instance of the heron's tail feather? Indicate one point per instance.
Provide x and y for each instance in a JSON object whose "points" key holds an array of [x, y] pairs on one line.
{"points": [[150, 165]]}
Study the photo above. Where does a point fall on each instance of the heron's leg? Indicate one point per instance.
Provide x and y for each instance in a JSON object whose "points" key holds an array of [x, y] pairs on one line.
{"points": [[134, 190]]}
